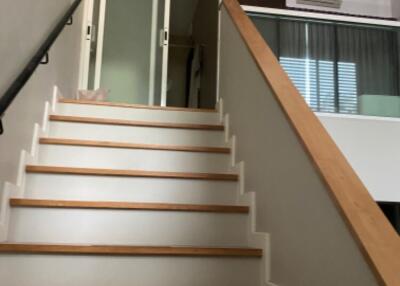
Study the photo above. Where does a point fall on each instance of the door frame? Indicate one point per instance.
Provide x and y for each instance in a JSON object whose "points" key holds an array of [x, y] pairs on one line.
{"points": [[158, 41], [153, 54], [85, 44], [100, 43], [87, 33], [166, 36]]}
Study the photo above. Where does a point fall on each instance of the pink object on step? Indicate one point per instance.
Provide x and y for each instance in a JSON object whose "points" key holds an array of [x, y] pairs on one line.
{"points": [[93, 95]]}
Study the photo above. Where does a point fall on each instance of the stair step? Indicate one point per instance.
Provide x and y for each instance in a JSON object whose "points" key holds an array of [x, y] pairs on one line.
{"points": [[146, 224], [135, 106], [123, 122], [131, 189], [132, 159], [130, 173], [127, 206], [143, 113], [137, 134], [122, 270], [128, 250], [124, 145]]}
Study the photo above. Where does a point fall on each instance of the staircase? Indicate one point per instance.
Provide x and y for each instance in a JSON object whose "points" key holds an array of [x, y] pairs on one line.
{"points": [[118, 194]]}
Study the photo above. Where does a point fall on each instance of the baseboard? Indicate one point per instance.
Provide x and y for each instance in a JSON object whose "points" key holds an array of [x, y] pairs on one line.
{"points": [[256, 239], [17, 190]]}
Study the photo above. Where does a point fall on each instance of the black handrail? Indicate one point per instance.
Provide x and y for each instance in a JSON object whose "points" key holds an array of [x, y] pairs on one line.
{"points": [[25, 75]]}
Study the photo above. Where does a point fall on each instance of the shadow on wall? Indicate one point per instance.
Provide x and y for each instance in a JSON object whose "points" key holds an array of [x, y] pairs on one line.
{"points": [[205, 32], [21, 43]]}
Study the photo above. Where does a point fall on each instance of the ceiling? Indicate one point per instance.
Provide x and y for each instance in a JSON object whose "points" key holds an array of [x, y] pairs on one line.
{"points": [[182, 13]]}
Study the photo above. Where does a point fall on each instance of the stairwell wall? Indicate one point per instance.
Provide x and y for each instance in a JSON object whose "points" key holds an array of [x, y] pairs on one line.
{"points": [[24, 25], [310, 242]]}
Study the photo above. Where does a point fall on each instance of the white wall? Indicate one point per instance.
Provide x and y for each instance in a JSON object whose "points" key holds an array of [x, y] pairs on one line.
{"points": [[372, 146], [377, 8], [24, 25]]}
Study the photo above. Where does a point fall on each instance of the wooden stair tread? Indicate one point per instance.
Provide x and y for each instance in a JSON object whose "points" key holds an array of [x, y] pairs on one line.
{"points": [[130, 173], [123, 122], [128, 250], [136, 106], [35, 203], [122, 145]]}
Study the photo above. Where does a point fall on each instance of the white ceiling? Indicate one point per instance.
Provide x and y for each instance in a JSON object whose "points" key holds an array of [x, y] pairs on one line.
{"points": [[182, 12]]}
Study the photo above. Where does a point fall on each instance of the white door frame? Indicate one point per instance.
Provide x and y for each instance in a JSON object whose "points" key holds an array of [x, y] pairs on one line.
{"points": [[153, 54], [100, 43], [87, 32], [85, 44], [165, 36]]}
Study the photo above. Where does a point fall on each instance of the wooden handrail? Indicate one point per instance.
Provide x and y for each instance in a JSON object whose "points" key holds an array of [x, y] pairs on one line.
{"points": [[376, 238]]}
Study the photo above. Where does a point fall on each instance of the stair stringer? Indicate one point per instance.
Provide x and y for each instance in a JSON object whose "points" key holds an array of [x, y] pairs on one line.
{"points": [[17, 190], [255, 239]]}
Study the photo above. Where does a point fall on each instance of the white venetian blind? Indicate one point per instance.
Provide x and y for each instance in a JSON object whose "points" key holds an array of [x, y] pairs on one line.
{"points": [[315, 80]]}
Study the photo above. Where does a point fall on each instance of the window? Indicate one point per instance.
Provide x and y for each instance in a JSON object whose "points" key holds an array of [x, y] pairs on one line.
{"points": [[315, 80]]}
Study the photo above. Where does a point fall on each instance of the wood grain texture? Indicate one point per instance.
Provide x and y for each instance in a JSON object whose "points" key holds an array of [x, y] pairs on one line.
{"points": [[121, 122], [128, 206], [136, 106], [122, 145], [111, 250], [130, 173], [377, 239]]}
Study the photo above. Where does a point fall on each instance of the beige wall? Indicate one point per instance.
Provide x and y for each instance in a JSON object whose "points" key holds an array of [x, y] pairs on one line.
{"points": [[205, 32], [311, 244], [24, 25]]}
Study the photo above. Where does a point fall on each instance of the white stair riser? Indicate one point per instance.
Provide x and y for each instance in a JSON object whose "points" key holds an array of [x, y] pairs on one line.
{"points": [[102, 188], [146, 135], [62, 270], [127, 227], [138, 114], [115, 158]]}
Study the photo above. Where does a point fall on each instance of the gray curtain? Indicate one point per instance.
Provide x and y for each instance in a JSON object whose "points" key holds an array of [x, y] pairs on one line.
{"points": [[269, 29], [292, 39], [321, 41], [321, 49], [374, 51]]}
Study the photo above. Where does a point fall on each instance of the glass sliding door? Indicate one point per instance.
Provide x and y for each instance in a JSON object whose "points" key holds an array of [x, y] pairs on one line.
{"points": [[159, 65], [125, 70], [125, 49]]}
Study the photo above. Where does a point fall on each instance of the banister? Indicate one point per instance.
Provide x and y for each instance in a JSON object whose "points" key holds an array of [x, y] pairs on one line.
{"points": [[12, 92], [378, 241]]}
